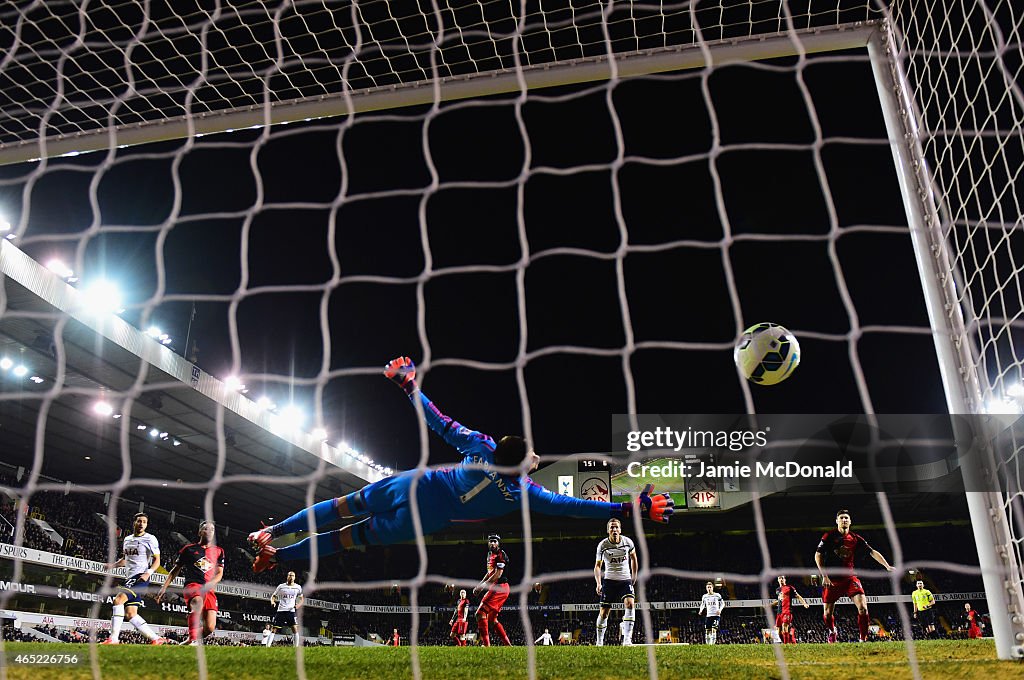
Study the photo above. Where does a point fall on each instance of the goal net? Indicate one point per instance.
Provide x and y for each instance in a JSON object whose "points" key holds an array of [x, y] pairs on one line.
{"points": [[222, 218]]}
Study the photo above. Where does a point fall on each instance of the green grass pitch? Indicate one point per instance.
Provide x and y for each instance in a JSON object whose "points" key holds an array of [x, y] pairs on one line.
{"points": [[973, 659]]}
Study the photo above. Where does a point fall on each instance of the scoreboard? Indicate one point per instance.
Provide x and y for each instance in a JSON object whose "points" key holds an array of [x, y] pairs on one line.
{"points": [[594, 478], [588, 478], [585, 465]]}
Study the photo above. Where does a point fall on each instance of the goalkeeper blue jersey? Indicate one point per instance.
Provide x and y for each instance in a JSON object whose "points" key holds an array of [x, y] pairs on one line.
{"points": [[478, 492]]}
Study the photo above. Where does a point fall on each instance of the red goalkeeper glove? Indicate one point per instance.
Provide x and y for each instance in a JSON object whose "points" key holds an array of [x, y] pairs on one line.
{"points": [[402, 372], [655, 508]]}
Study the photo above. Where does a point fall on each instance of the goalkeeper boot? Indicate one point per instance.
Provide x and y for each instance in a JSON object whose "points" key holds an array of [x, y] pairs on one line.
{"points": [[260, 538], [265, 560]]}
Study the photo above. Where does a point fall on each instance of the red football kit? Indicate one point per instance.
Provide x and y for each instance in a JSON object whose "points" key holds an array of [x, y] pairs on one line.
{"points": [[460, 623], [493, 599], [973, 629], [198, 566], [785, 597], [843, 550], [496, 596]]}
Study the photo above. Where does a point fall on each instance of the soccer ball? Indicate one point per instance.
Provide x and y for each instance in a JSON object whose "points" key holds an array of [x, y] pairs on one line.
{"points": [[767, 353], [537, 587], [449, 588]]}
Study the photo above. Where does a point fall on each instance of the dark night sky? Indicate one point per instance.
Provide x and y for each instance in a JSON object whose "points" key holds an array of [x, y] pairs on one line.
{"points": [[675, 293]]}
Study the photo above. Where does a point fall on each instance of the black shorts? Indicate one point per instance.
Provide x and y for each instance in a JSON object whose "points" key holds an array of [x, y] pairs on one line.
{"points": [[711, 622], [615, 591], [926, 616], [282, 619], [135, 588]]}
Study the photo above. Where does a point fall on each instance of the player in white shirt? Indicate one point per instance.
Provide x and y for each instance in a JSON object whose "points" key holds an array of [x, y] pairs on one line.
{"points": [[614, 571], [141, 556], [287, 598], [544, 639], [713, 604], [267, 635]]}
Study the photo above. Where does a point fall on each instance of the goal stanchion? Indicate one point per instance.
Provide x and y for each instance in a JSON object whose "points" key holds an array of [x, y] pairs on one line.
{"points": [[959, 368]]}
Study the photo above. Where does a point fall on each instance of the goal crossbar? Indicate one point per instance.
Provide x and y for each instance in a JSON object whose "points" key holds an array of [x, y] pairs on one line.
{"points": [[483, 84]]}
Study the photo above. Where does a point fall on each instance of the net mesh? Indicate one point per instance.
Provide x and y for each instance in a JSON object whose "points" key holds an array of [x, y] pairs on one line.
{"points": [[709, 177], [963, 65], [73, 69]]}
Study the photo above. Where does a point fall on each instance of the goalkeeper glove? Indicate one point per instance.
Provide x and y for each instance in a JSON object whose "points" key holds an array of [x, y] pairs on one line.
{"points": [[402, 372], [655, 508]]}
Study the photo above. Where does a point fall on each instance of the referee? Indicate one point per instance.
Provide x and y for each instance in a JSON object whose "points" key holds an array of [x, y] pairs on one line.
{"points": [[924, 608]]}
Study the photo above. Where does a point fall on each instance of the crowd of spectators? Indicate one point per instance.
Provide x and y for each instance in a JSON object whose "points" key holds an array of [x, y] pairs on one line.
{"points": [[12, 634], [81, 519]]}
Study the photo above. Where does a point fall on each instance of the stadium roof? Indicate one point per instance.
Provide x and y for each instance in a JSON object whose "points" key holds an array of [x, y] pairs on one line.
{"points": [[173, 427]]}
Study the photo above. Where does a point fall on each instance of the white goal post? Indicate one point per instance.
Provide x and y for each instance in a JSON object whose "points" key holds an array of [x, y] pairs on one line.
{"points": [[441, 89], [958, 365]]}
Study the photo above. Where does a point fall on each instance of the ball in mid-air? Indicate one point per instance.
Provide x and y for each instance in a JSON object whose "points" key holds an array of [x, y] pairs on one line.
{"points": [[767, 353]]}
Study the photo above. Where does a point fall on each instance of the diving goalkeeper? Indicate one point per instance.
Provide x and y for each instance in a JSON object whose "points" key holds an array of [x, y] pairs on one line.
{"points": [[471, 490]]}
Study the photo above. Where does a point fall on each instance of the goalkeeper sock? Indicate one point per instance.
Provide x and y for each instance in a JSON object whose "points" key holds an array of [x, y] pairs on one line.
{"points": [[116, 621], [270, 640], [143, 627], [326, 544], [862, 624], [324, 513], [602, 627]]}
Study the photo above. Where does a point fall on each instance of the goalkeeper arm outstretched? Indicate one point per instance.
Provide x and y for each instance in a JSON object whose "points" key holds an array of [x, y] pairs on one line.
{"points": [[511, 451], [486, 484], [402, 372], [656, 508]]}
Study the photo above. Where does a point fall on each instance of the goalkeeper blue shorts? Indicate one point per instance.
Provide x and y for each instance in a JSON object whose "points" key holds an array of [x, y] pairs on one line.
{"points": [[388, 502]]}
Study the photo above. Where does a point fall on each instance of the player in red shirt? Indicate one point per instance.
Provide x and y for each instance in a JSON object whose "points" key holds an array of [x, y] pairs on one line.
{"points": [[840, 548], [460, 621], [496, 584], [784, 619], [202, 565], [396, 640], [973, 619]]}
